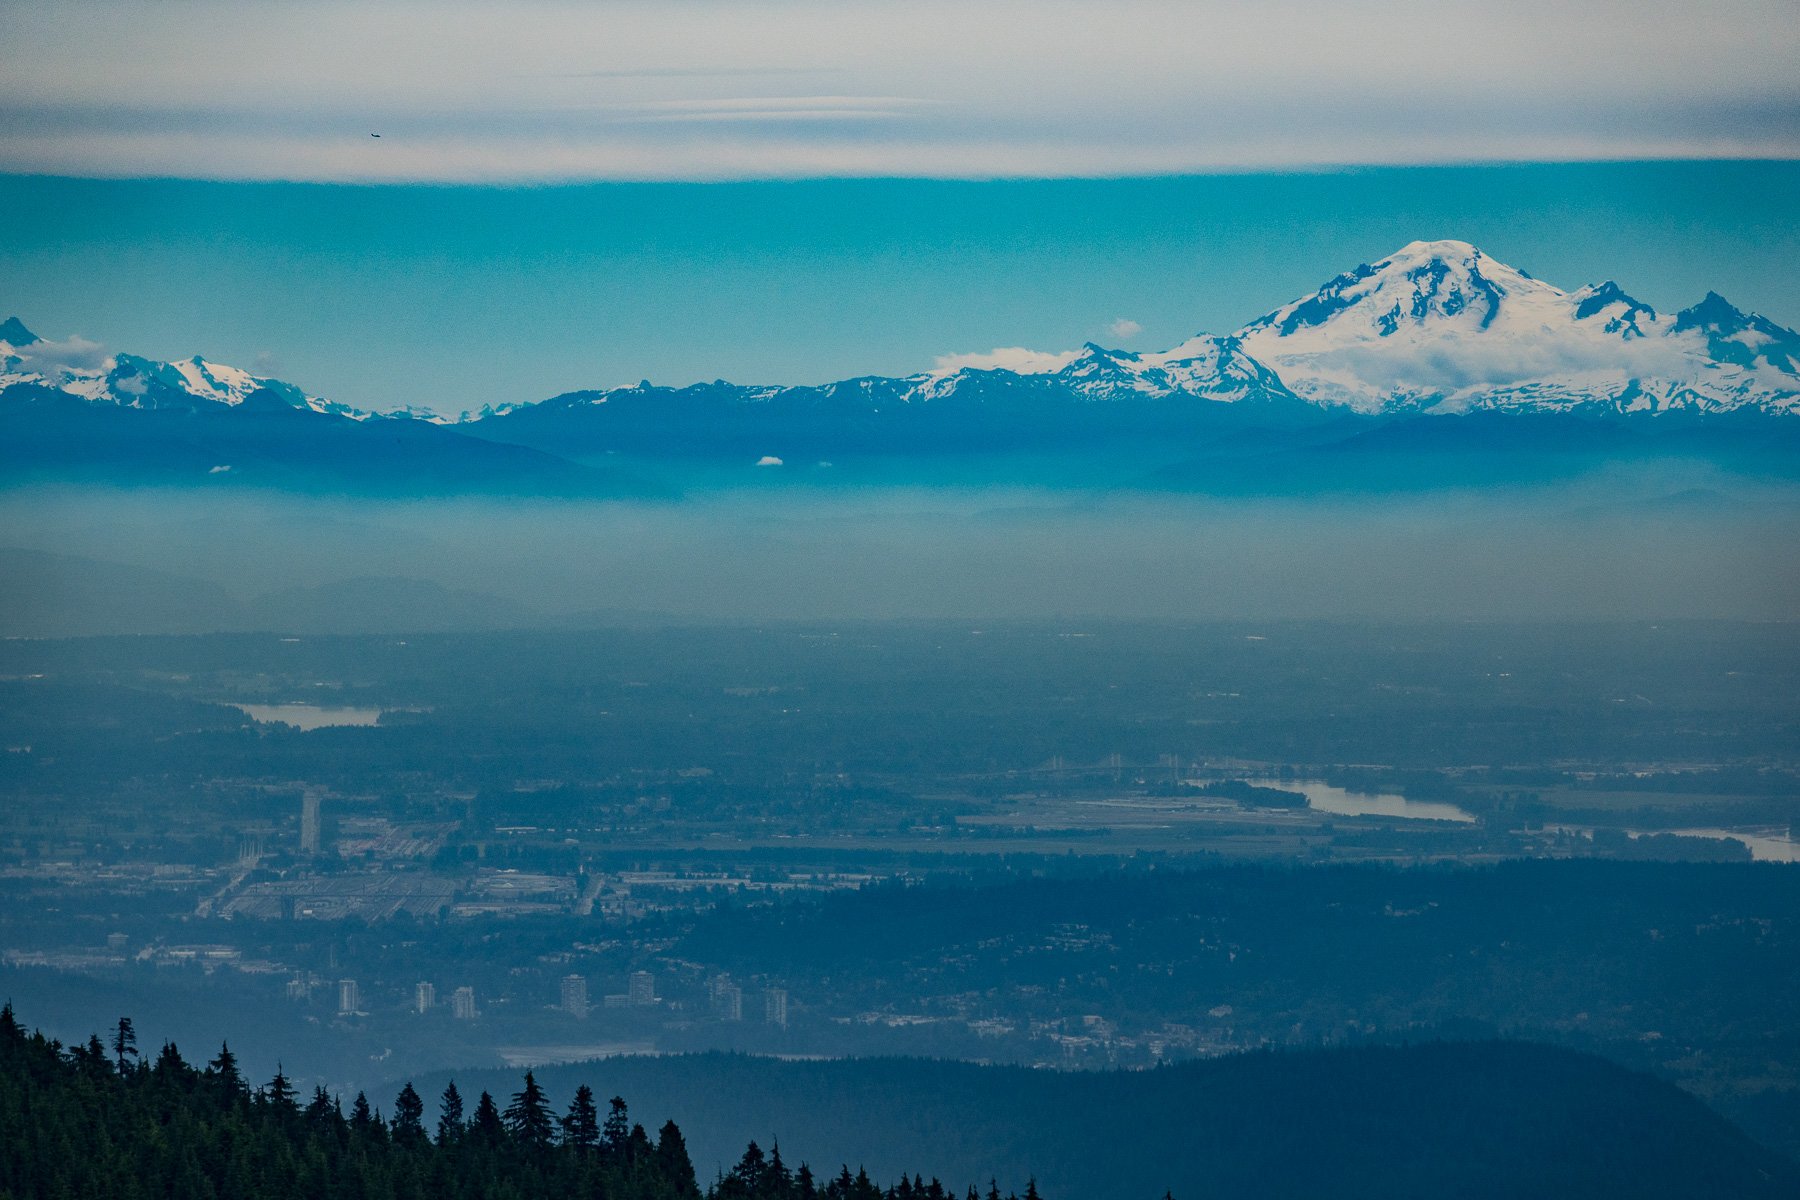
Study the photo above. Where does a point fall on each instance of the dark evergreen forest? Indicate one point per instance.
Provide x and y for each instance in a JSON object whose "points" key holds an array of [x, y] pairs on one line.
{"points": [[99, 1121]]}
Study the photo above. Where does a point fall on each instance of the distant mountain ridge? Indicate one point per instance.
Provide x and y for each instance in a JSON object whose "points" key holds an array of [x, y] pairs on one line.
{"points": [[126, 380], [1436, 328]]}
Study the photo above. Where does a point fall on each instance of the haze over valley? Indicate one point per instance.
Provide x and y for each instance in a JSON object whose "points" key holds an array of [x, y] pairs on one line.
{"points": [[763, 600]]}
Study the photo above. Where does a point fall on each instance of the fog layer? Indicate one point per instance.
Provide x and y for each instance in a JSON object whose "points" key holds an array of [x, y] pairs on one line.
{"points": [[1663, 545]]}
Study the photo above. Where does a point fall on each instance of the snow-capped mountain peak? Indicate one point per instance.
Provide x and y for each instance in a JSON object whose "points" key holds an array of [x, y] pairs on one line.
{"points": [[1423, 284], [131, 381], [1443, 326], [1203, 367], [1712, 312], [1618, 313], [1748, 340], [1097, 362], [1436, 326]]}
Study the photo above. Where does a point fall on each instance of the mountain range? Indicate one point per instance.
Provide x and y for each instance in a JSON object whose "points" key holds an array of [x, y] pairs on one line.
{"points": [[1436, 329]]}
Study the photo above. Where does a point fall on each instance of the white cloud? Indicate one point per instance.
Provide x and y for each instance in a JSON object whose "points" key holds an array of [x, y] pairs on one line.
{"points": [[631, 89], [772, 108], [769, 460], [73, 354], [1471, 362], [1124, 327], [1008, 358]]}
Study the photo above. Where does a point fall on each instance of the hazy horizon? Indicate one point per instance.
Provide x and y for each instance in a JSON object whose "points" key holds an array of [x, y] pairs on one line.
{"points": [[1663, 543], [1200, 599]]}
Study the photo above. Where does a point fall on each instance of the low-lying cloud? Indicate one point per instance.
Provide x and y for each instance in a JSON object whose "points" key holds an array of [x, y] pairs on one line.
{"points": [[1651, 542], [52, 358]]}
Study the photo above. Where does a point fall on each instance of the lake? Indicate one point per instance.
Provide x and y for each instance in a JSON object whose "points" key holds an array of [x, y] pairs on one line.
{"points": [[1766, 845], [309, 716], [1322, 797]]}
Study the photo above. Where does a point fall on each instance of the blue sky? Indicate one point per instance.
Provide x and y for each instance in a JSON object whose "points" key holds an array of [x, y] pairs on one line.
{"points": [[571, 195], [455, 296]]}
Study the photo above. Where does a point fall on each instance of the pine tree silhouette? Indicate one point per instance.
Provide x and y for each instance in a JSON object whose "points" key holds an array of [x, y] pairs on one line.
{"points": [[617, 1130], [528, 1118], [581, 1126], [450, 1115], [485, 1127], [409, 1117], [224, 1071], [280, 1093], [124, 1043]]}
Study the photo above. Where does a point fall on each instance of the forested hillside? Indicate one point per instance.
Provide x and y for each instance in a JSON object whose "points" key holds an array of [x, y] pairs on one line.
{"points": [[100, 1121], [1474, 1119]]}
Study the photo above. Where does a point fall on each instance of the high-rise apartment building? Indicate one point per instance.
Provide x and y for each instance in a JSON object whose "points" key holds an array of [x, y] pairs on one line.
{"points": [[727, 999], [574, 995], [640, 986], [309, 822]]}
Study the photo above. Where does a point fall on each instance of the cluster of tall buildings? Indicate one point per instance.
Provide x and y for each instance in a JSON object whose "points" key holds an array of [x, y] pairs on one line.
{"points": [[640, 992], [727, 1000], [462, 1000], [725, 997]]}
